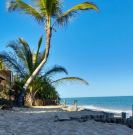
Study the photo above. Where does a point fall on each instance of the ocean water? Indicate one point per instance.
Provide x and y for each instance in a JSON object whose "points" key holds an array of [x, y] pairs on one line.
{"points": [[108, 104]]}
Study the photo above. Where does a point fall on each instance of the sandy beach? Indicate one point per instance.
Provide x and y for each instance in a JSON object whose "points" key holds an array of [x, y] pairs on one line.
{"points": [[36, 121]]}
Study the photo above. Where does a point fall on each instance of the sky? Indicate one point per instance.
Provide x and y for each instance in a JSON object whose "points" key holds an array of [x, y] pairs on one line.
{"points": [[97, 47]]}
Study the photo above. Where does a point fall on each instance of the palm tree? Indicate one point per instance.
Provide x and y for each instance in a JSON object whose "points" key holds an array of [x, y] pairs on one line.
{"points": [[50, 13], [23, 62], [2, 66]]}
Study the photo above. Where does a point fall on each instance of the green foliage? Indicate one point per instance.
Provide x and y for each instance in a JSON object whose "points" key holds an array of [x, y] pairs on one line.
{"points": [[50, 13], [65, 17], [70, 79], [22, 61], [54, 70], [20, 58], [2, 66], [19, 5], [41, 10], [47, 91]]}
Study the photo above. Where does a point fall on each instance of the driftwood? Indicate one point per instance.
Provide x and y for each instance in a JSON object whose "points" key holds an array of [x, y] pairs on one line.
{"points": [[62, 118]]}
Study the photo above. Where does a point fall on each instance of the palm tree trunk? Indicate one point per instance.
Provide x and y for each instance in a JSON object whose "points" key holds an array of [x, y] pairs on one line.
{"points": [[20, 100], [29, 99], [47, 49]]}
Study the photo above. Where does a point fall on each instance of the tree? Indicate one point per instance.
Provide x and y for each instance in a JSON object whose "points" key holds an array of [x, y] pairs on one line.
{"points": [[2, 66], [23, 62], [50, 13]]}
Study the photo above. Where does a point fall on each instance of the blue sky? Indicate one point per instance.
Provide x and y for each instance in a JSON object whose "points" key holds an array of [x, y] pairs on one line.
{"points": [[95, 46]]}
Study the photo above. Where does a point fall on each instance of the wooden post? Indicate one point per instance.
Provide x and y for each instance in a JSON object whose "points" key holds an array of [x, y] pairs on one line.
{"points": [[75, 105], [65, 103], [123, 115], [132, 111]]}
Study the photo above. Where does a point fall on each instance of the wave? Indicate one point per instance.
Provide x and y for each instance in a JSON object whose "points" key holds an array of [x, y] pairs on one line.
{"points": [[112, 110]]}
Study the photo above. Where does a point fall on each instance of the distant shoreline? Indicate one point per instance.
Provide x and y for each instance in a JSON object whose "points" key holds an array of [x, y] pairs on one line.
{"points": [[108, 104], [95, 97]]}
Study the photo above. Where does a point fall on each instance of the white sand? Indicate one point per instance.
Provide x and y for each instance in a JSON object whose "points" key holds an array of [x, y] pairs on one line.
{"points": [[41, 122]]}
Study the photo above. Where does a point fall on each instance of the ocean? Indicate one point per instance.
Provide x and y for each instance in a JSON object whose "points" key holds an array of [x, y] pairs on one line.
{"points": [[109, 104]]}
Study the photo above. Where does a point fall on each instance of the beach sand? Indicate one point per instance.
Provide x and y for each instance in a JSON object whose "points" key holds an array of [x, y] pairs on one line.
{"points": [[36, 121]]}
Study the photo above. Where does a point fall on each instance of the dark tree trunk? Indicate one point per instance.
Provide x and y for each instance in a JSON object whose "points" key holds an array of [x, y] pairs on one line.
{"points": [[20, 100]]}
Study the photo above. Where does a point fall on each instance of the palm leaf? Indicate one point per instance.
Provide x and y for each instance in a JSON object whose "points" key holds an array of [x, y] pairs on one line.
{"points": [[64, 18], [54, 70], [37, 59], [70, 79], [42, 6], [27, 54], [12, 62], [19, 5], [53, 7], [17, 49]]}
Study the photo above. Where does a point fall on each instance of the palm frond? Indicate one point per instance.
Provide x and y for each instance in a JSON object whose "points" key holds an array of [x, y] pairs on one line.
{"points": [[64, 18], [70, 79], [27, 54], [37, 59], [53, 7], [17, 49], [42, 6], [12, 62], [19, 5], [54, 70]]}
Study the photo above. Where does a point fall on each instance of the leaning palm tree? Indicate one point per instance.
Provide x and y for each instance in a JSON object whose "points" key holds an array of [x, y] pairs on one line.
{"points": [[23, 62], [50, 13]]}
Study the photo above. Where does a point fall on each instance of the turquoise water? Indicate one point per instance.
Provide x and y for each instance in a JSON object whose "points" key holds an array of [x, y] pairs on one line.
{"points": [[113, 104]]}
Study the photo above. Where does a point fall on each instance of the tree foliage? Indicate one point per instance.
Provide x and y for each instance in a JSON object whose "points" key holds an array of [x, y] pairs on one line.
{"points": [[23, 62]]}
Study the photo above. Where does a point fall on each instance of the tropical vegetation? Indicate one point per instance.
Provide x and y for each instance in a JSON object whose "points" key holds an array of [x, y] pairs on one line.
{"points": [[50, 13], [23, 61]]}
